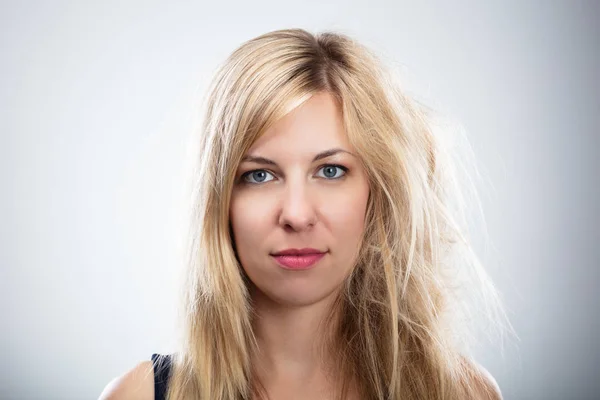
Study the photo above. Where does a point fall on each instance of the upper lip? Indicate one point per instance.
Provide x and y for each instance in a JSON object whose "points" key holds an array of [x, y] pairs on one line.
{"points": [[297, 252]]}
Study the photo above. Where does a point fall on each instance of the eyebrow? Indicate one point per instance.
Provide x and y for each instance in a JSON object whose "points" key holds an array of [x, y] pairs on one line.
{"points": [[320, 156]]}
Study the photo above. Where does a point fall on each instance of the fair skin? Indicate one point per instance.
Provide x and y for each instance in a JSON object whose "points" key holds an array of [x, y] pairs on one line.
{"points": [[135, 384], [298, 202]]}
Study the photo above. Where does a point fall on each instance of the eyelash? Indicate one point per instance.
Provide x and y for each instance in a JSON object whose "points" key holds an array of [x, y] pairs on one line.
{"points": [[245, 174]]}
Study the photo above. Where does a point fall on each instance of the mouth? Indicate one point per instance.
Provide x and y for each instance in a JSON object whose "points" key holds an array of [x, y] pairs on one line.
{"points": [[298, 252], [298, 259]]}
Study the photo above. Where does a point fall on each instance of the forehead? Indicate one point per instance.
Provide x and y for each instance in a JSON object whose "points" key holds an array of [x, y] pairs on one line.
{"points": [[314, 126]]}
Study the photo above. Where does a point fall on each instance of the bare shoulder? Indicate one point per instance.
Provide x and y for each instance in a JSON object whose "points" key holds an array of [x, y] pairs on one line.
{"points": [[135, 384], [486, 383]]}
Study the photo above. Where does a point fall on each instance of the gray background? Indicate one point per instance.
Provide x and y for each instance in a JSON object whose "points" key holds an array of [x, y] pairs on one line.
{"points": [[97, 101]]}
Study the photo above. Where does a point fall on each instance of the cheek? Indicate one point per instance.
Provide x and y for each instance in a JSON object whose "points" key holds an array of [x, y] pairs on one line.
{"points": [[346, 217], [249, 218]]}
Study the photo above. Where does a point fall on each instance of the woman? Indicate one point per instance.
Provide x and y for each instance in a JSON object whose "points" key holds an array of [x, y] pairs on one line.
{"points": [[319, 264]]}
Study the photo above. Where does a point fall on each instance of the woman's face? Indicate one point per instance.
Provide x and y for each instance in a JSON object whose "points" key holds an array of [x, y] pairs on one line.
{"points": [[285, 197]]}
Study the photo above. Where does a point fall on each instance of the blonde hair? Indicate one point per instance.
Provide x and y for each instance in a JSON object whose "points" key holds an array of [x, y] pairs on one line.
{"points": [[395, 339]]}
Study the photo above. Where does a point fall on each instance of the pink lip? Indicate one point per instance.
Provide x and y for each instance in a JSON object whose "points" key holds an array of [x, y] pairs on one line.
{"points": [[298, 252], [298, 261]]}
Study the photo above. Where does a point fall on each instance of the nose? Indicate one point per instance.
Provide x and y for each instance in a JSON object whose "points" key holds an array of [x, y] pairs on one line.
{"points": [[297, 211]]}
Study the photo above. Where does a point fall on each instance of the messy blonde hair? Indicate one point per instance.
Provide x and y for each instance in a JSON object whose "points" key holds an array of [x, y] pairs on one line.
{"points": [[395, 339]]}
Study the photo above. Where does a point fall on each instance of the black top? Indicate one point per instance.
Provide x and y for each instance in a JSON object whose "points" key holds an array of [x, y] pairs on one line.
{"points": [[162, 372]]}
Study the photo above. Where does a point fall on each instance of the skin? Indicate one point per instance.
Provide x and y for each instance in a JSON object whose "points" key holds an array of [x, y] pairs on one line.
{"points": [[298, 203]]}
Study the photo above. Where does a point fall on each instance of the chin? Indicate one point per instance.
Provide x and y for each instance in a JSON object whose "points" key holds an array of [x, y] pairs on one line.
{"points": [[297, 298]]}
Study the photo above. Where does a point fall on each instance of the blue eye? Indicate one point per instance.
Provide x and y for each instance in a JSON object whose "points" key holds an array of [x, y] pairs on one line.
{"points": [[331, 171], [259, 175]]}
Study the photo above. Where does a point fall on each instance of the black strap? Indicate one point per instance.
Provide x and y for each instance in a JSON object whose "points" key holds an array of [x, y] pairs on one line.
{"points": [[162, 372]]}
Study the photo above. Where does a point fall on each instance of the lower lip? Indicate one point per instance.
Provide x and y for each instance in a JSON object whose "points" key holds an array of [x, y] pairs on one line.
{"points": [[306, 261]]}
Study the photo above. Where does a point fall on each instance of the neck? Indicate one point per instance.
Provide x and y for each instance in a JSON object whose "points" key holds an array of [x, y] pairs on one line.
{"points": [[292, 339]]}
